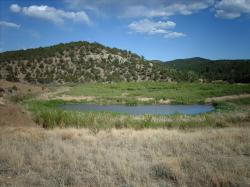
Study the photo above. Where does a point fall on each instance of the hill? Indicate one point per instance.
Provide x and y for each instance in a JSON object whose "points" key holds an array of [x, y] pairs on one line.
{"points": [[226, 70], [79, 62], [92, 62]]}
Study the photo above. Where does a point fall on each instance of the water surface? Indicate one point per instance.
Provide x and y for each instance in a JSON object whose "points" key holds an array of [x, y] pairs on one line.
{"points": [[140, 109]]}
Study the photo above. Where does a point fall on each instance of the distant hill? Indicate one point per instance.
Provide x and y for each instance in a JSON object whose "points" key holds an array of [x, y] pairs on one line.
{"points": [[226, 70], [194, 59], [79, 62]]}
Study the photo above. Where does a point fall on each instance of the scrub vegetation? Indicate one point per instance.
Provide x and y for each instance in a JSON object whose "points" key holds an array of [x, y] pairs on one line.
{"points": [[84, 62], [226, 70]]}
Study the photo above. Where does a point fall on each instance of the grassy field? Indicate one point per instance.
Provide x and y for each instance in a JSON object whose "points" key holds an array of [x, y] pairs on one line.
{"points": [[182, 93]]}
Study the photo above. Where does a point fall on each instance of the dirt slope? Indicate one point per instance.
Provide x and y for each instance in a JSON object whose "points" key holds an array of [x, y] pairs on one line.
{"points": [[13, 115]]}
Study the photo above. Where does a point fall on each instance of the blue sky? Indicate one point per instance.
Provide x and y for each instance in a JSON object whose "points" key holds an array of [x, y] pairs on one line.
{"points": [[156, 29]]}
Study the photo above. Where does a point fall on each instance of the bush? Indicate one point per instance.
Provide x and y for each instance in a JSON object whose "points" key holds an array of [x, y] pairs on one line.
{"points": [[14, 88]]}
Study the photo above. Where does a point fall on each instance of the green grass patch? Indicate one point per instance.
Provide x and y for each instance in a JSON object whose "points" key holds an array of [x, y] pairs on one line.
{"points": [[181, 93], [224, 106], [241, 101]]}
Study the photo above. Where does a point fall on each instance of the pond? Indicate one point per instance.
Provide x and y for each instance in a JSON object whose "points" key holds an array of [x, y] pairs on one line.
{"points": [[140, 109]]}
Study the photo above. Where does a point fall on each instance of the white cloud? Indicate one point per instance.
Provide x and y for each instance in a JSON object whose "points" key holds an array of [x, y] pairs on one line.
{"points": [[142, 11], [174, 35], [52, 14], [15, 8], [227, 15], [9, 24], [186, 8], [151, 27], [147, 26], [231, 9], [143, 8]]}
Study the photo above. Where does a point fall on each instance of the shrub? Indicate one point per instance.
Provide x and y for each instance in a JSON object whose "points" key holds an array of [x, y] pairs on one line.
{"points": [[14, 88]]}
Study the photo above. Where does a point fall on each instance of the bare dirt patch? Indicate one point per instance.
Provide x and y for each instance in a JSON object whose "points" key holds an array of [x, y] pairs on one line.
{"points": [[125, 94], [229, 97], [22, 88], [75, 98], [13, 115], [2, 101], [144, 99], [52, 94], [165, 101]]}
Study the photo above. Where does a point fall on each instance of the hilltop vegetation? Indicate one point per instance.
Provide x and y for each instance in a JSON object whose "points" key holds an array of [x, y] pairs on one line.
{"points": [[226, 70], [92, 62], [79, 62]]}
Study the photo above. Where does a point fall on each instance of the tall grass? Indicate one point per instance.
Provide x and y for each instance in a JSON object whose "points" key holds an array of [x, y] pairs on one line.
{"points": [[49, 115]]}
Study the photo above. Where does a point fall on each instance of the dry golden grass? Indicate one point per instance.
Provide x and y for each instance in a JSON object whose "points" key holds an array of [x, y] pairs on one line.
{"points": [[160, 157], [23, 88]]}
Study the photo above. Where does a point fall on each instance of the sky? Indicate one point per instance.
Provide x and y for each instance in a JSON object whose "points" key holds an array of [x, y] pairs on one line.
{"points": [[156, 29]]}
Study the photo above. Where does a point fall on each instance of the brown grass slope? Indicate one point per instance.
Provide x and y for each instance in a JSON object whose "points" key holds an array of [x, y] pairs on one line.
{"points": [[12, 115], [73, 157]]}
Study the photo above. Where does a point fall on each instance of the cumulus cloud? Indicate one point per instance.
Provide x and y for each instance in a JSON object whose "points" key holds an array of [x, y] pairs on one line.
{"points": [[231, 9], [142, 11], [15, 8], [52, 14], [151, 27], [147, 26], [146, 10], [9, 24]]}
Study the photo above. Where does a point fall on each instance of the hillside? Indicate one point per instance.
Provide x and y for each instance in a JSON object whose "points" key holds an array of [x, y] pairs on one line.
{"points": [[227, 70], [79, 62], [92, 62]]}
